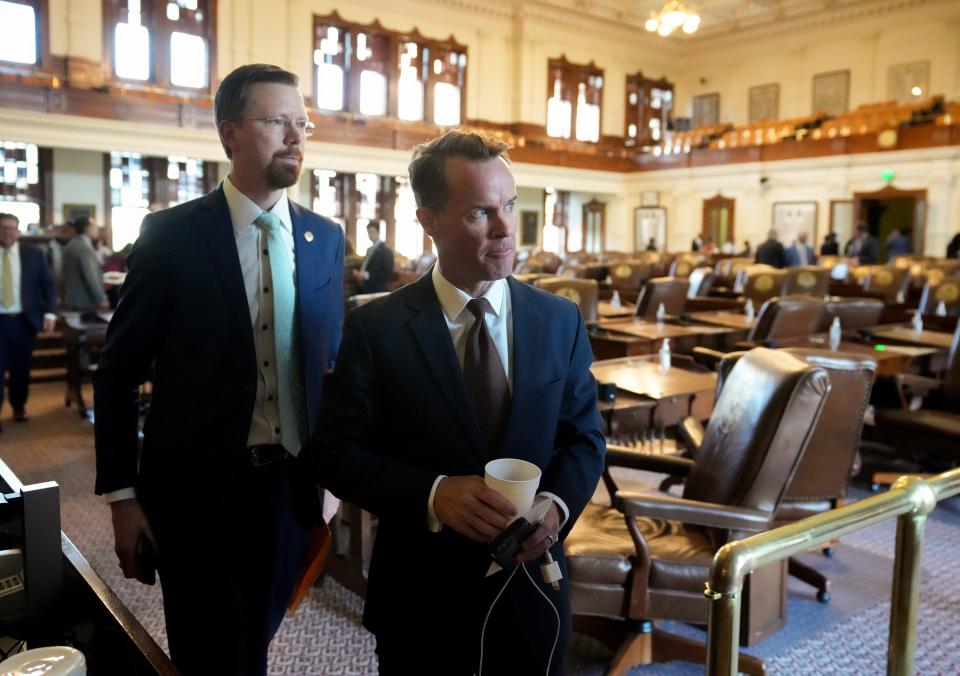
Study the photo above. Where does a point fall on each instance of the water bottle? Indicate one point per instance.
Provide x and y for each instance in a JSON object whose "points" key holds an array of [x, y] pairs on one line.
{"points": [[901, 297], [917, 323], [941, 309], [661, 314], [615, 299], [835, 334], [665, 355], [749, 311]]}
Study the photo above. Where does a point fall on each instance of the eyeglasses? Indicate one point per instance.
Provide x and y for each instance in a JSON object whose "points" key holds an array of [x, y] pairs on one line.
{"points": [[281, 124]]}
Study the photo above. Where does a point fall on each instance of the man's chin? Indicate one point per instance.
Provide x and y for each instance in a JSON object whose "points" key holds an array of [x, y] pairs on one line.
{"points": [[282, 177]]}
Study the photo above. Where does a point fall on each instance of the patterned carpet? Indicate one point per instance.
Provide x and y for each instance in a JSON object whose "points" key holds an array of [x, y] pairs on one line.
{"points": [[846, 636]]}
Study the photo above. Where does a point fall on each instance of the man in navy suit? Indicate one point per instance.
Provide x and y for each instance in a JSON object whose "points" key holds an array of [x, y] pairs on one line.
{"points": [[27, 305], [461, 367], [800, 253], [235, 301]]}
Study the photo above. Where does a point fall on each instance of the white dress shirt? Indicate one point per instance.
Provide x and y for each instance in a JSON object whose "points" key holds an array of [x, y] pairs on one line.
{"points": [[499, 320], [17, 306]]}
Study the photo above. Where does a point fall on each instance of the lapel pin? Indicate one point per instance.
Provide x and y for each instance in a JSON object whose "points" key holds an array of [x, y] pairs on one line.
{"points": [[308, 236]]}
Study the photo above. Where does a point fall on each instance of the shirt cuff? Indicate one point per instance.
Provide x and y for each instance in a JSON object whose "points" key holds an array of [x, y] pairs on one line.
{"points": [[49, 315], [560, 503], [120, 494], [433, 523]]}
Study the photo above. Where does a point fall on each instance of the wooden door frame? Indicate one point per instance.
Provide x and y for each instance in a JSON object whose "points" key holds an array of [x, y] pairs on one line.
{"points": [[890, 192], [594, 205], [719, 200]]}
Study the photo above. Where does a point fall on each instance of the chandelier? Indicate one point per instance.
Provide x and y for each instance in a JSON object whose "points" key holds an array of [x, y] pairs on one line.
{"points": [[673, 16]]}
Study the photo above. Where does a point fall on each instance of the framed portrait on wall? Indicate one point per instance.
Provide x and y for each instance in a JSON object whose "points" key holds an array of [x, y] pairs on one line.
{"points": [[792, 218], [72, 212], [650, 223], [529, 225]]}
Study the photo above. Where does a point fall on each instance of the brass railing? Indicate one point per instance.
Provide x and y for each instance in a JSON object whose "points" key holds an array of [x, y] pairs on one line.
{"points": [[910, 499]]}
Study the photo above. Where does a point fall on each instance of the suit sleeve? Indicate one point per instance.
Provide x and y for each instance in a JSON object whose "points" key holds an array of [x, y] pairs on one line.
{"points": [[92, 276], [48, 292], [132, 343], [342, 455], [337, 309], [580, 446]]}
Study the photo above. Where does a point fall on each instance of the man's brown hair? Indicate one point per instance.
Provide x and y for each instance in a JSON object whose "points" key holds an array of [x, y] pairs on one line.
{"points": [[230, 101]]}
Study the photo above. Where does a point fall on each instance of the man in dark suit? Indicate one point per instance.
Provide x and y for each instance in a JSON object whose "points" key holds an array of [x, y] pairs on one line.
{"points": [[377, 269], [799, 253], [83, 289], [461, 367], [771, 252], [235, 299], [863, 247], [27, 305]]}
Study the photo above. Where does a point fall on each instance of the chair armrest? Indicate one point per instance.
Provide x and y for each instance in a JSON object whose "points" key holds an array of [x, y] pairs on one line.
{"points": [[691, 430], [909, 386], [710, 514], [707, 357], [622, 456]]}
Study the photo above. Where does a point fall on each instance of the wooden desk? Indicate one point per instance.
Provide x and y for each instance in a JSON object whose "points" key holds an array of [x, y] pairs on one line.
{"points": [[607, 311], [731, 320], [905, 335], [83, 337], [682, 338], [891, 360]]}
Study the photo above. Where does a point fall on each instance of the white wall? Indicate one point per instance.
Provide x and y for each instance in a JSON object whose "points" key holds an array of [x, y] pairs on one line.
{"points": [[77, 179]]}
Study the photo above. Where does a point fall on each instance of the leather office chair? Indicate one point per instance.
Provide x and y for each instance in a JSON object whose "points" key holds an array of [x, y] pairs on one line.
{"points": [[854, 313], [787, 317], [830, 460], [629, 275], [670, 291], [830, 262], [648, 556], [583, 292], [760, 282], [684, 265], [808, 280], [886, 281], [701, 281], [930, 435], [944, 290]]}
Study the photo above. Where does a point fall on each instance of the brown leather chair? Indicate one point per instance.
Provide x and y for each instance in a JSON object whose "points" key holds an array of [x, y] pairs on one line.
{"points": [[671, 291], [648, 556], [701, 281], [887, 281], [787, 317], [930, 435], [583, 292], [944, 290], [629, 275], [854, 313], [830, 460], [684, 265], [808, 280], [761, 282]]}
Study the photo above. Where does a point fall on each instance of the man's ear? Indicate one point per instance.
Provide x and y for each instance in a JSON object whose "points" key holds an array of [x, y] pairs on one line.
{"points": [[228, 134], [427, 219]]}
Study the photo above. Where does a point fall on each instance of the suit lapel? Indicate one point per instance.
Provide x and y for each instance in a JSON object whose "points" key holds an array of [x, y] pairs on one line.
{"points": [[527, 327], [308, 248], [433, 338], [218, 232]]}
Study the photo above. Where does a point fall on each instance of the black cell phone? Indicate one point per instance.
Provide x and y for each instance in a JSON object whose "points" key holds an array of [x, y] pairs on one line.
{"points": [[505, 547], [147, 560]]}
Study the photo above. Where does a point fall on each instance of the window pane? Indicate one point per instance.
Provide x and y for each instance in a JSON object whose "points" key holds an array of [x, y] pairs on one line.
{"points": [[408, 240], [27, 212], [126, 225], [329, 86], [131, 52], [325, 201], [18, 33], [410, 102], [588, 117], [446, 104], [558, 118], [188, 60], [373, 94]]}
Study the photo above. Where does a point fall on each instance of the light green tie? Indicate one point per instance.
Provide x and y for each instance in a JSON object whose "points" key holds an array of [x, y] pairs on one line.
{"points": [[290, 394], [7, 299]]}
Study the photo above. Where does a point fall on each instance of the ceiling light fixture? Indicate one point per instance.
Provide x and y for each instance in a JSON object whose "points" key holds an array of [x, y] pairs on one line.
{"points": [[671, 17]]}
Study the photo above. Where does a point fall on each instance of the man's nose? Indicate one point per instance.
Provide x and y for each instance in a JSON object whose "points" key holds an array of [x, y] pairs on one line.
{"points": [[501, 224]]}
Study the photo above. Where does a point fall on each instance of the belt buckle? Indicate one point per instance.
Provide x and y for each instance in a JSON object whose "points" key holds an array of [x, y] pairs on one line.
{"points": [[263, 455]]}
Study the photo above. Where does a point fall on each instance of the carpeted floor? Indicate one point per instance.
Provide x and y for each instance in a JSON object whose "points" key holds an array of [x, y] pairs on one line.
{"points": [[846, 636]]}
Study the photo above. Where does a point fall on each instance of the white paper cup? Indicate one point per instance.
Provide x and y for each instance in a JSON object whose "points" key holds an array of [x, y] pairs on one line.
{"points": [[516, 480]]}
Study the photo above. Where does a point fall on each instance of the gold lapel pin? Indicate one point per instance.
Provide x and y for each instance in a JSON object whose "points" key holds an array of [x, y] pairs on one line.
{"points": [[308, 236]]}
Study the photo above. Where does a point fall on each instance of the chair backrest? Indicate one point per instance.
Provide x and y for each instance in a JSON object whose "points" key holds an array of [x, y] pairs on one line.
{"points": [[701, 279], [944, 290], [762, 422], [629, 274], [583, 292], [854, 313], [787, 317], [887, 281], [761, 282], [670, 291], [684, 265], [809, 280]]}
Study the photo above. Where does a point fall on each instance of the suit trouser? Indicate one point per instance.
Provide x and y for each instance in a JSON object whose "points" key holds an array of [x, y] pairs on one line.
{"points": [[227, 566], [16, 349]]}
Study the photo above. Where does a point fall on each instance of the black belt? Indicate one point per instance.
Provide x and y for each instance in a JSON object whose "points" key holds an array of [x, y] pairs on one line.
{"points": [[263, 455]]}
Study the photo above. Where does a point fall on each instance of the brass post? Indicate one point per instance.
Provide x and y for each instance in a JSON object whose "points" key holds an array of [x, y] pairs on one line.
{"points": [[723, 630]]}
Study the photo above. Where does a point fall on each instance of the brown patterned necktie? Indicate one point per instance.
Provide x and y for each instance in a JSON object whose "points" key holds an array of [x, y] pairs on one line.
{"points": [[485, 377]]}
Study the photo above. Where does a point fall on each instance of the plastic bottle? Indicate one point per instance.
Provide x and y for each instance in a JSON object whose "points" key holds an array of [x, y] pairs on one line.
{"points": [[749, 311], [917, 322], [835, 334], [661, 314], [665, 355], [941, 309], [615, 299]]}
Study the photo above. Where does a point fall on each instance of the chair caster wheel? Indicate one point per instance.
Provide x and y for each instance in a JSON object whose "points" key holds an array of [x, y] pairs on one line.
{"points": [[823, 596], [829, 552]]}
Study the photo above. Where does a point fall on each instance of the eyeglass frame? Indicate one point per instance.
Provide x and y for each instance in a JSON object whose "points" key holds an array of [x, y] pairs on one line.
{"points": [[307, 130]]}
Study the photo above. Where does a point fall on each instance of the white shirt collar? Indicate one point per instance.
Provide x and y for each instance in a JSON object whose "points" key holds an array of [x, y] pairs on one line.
{"points": [[244, 211], [454, 300]]}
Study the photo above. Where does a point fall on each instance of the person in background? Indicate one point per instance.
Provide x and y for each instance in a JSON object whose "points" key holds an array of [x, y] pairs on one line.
{"points": [[747, 249], [696, 244], [863, 247], [652, 245], [898, 244], [799, 253], [830, 247], [376, 271], [82, 274], [953, 248], [27, 305], [729, 247], [771, 251]]}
